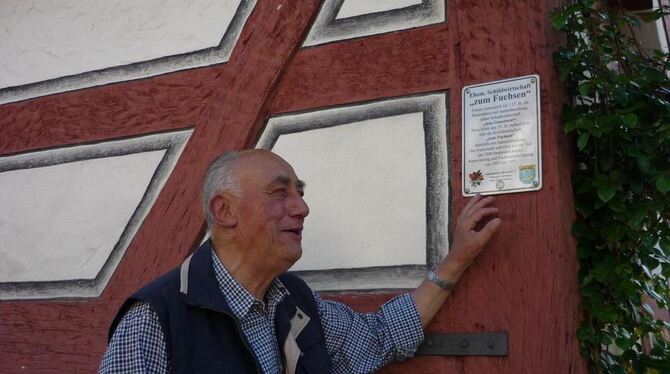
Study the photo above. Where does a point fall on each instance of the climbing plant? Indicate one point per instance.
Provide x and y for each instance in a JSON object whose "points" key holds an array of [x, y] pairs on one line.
{"points": [[619, 114]]}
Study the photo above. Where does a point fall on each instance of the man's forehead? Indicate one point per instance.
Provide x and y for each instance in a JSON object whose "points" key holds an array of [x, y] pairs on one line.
{"points": [[262, 156], [268, 167]]}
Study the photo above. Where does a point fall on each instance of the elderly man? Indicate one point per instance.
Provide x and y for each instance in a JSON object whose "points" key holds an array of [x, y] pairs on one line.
{"points": [[231, 306]]}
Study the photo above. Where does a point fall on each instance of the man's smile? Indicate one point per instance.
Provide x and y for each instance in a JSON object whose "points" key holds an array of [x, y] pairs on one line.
{"points": [[295, 232]]}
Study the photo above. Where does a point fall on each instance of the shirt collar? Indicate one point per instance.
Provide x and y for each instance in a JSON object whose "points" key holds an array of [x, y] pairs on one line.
{"points": [[238, 298]]}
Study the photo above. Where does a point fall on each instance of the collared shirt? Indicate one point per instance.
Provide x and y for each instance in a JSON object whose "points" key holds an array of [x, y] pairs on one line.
{"points": [[356, 342], [256, 317]]}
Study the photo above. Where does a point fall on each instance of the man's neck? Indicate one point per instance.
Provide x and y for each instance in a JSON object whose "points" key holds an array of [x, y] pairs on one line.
{"points": [[244, 269]]}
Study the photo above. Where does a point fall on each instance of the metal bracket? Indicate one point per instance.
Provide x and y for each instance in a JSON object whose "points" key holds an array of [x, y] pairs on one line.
{"points": [[484, 344]]}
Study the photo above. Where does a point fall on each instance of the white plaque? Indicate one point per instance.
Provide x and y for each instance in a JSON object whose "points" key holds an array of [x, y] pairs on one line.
{"points": [[501, 137]]}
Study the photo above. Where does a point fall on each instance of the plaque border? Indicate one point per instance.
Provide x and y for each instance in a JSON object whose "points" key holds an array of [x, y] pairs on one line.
{"points": [[538, 111]]}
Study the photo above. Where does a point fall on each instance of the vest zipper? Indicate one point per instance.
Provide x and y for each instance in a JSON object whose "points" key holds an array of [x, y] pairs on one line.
{"points": [[246, 344]]}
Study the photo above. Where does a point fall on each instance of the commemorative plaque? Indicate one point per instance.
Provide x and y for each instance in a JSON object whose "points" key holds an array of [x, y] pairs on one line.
{"points": [[501, 137]]}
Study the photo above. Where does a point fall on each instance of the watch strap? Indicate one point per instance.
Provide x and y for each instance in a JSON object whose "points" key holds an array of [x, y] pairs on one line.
{"points": [[443, 284]]}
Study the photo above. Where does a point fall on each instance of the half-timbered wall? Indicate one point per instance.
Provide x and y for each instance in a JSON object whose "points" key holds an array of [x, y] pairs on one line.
{"points": [[110, 113]]}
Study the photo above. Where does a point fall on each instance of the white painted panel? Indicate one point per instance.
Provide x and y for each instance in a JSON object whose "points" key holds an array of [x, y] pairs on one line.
{"points": [[366, 188], [352, 8], [46, 39], [61, 222], [358, 18], [386, 157]]}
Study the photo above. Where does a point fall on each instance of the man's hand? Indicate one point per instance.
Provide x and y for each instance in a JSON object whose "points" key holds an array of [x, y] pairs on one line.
{"points": [[467, 244]]}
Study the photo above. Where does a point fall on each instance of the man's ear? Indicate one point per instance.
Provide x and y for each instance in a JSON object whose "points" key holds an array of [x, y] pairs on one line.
{"points": [[222, 213]]}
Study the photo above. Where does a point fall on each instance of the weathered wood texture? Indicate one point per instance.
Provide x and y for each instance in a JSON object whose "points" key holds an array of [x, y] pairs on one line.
{"points": [[525, 284]]}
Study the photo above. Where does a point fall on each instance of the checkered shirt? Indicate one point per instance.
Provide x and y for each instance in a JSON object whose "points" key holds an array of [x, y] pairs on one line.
{"points": [[257, 321], [356, 342]]}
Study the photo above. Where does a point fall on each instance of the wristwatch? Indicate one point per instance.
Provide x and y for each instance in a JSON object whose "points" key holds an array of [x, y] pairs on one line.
{"points": [[443, 284]]}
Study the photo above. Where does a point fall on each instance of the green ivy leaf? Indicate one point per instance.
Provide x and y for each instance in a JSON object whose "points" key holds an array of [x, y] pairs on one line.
{"points": [[580, 229], [584, 207], [642, 162], [621, 97], [583, 123], [564, 73], [617, 204], [559, 20], [601, 180], [664, 243], [584, 250], [614, 234], [585, 332], [585, 282], [650, 16], [635, 219], [629, 119], [616, 369], [596, 131], [602, 272], [582, 140], [585, 89], [663, 182], [606, 163], [649, 261], [606, 193]]}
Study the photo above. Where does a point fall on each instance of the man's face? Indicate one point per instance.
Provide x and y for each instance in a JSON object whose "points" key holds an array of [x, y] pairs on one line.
{"points": [[271, 211]]}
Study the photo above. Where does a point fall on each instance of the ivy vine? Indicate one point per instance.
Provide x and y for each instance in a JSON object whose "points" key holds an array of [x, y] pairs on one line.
{"points": [[619, 113]]}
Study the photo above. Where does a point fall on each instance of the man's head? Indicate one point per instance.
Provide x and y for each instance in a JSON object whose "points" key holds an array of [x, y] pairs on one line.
{"points": [[253, 203]]}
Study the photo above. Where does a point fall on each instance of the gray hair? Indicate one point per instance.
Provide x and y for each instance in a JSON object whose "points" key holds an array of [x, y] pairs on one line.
{"points": [[219, 177]]}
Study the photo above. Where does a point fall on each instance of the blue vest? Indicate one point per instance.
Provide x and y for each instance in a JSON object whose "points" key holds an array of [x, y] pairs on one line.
{"points": [[203, 336]]}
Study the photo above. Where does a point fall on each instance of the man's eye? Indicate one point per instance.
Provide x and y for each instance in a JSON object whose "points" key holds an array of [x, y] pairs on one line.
{"points": [[280, 193], [301, 193]]}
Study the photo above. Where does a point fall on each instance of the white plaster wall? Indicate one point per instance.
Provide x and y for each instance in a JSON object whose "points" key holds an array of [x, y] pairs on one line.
{"points": [[378, 17], [351, 8], [68, 214], [45, 39], [366, 184], [377, 187], [61, 222]]}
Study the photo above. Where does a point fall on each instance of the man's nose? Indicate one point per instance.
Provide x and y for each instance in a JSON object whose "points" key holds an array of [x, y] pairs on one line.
{"points": [[298, 207]]}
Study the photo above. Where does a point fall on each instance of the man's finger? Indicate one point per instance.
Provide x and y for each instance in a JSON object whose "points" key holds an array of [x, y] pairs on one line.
{"points": [[470, 204], [477, 215], [488, 200], [487, 232]]}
